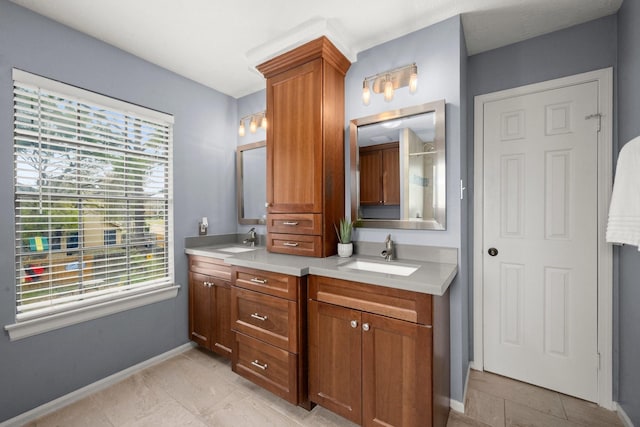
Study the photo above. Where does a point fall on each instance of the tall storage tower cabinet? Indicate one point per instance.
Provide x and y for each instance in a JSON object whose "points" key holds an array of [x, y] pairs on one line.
{"points": [[305, 148]]}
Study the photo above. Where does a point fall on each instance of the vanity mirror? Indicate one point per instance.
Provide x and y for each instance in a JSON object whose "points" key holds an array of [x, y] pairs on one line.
{"points": [[398, 168], [251, 187]]}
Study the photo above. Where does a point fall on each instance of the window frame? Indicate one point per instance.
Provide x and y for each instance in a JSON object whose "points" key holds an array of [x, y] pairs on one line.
{"points": [[81, 310]]}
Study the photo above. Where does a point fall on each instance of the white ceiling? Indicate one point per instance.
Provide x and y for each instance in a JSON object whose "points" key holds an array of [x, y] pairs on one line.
{"points": [[217, 43]]}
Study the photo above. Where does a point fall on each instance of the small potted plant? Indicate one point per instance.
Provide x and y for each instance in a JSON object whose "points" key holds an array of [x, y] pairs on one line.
{"points": [[345, 246]]}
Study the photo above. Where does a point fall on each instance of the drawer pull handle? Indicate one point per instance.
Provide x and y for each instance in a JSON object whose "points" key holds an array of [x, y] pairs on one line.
{"points": [[261, 281], [257, 316], [259, 365], [290, 223], [290, 244]]}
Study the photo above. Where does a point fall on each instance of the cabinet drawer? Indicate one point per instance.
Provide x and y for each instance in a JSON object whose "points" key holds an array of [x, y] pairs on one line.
{"points": [[268, 366], [294, 244], [295, 223], [268, 318], [280, 285], [396, 303], [211, 266]]}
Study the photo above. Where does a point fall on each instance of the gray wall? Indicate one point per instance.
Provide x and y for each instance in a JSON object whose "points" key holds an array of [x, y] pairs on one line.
{"points": [[437, 52], [629, 257], [36, 370], [578, 49]]}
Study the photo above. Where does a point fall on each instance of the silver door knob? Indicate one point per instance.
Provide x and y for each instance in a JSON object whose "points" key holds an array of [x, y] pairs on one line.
{"points": [[365, 327], [354, 323]]}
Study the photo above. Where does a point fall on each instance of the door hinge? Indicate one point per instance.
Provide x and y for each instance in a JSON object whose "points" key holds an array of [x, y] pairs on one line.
{"points": [[462, 188], [598, 361], [594, 116]]}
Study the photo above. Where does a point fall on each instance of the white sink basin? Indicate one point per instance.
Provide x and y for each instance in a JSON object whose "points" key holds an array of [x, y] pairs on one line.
{"points": [[236, 249], [378, 267]]}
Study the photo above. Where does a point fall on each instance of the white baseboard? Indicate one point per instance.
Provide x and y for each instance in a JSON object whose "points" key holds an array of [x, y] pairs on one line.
{"points": [[623, 416], [456, 405], [85, 391]]}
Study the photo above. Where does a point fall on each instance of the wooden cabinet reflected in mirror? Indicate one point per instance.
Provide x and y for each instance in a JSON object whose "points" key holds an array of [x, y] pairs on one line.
{"points": [[251, 187], [398, 168]]}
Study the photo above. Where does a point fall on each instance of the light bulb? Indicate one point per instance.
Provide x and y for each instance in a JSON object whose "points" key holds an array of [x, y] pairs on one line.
{"points": [[241, 128], [253, 125], [413, 79], [388, 89], [366, 93], [263, 122]]}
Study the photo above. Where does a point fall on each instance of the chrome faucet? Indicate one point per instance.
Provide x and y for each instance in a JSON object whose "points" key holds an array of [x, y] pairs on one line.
{"points": [[252, 239], [387, 253]]}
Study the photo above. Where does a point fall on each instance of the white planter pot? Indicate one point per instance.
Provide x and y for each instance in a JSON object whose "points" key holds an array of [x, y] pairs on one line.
{"points": [[345, 250]]}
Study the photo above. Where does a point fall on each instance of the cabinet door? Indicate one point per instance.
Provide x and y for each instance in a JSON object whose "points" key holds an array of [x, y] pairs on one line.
{"points": [[335, 373], [370, 177], [396, 372], [294, 140], [391, 176], [222, 337], [200, 309]]}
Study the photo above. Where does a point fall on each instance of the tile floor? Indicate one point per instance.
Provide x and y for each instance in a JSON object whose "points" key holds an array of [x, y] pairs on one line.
{"points": [[497, 401], [197, 388]]}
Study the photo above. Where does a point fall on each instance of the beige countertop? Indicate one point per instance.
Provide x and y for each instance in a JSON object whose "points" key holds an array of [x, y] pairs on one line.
{"points": [[431, 277]]}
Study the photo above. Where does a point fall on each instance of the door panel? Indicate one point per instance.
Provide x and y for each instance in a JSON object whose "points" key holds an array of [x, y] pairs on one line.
{"points": [[294, 166], [200, 309], [335, 352], [391, 176], [222, 335], [396, 372], [540, 213]]}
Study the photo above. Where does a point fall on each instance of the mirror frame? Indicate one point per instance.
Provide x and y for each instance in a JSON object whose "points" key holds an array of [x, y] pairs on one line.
{"points": [[440, 215], [240, 181]]}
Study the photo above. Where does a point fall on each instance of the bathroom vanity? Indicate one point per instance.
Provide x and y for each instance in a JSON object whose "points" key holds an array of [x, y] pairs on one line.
{"points": [[210, 304], [371, 346]]}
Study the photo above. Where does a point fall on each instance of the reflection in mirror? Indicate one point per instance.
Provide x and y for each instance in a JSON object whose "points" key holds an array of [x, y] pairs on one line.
{"points": [[251, 174], [398, 168]]}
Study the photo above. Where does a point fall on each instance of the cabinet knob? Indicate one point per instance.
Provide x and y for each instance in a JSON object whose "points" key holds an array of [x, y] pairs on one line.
{"points": [[365, 327], [354, 323]]}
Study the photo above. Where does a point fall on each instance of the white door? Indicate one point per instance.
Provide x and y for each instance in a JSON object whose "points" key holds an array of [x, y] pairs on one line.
{"points": [[540, 216]]}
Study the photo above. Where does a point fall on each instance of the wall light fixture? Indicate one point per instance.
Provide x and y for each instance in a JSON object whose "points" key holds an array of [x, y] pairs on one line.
{"points": [[387, 82], [254, 119]]}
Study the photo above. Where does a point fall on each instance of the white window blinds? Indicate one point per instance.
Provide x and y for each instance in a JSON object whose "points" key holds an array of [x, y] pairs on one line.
{"points": [[93, 197]]}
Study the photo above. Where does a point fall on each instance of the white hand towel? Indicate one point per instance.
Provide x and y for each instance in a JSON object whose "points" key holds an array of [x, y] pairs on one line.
{"points": [[624, 210]]}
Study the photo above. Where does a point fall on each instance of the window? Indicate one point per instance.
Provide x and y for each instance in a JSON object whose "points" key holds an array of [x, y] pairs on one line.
{"points": [[109, 237], [93, 177]]}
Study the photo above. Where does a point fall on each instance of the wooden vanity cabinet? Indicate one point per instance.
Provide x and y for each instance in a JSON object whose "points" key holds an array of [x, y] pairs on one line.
{"points": [[268, 315], [380, 174], [378, 356], [210, 304], [305, 148]]}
